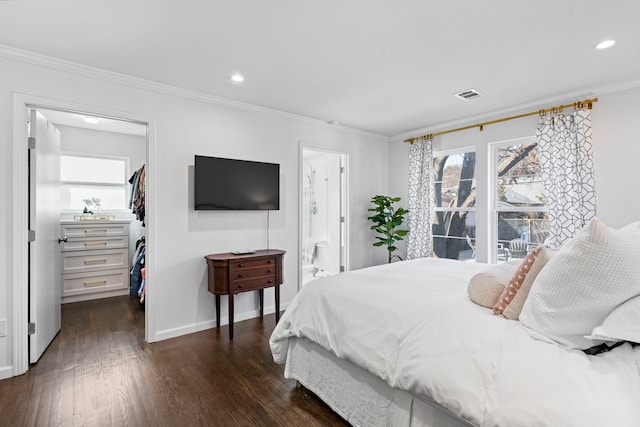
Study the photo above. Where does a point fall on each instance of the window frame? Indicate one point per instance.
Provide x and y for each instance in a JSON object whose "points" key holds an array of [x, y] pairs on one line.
{"points": [[492, 186], [125, 185]]}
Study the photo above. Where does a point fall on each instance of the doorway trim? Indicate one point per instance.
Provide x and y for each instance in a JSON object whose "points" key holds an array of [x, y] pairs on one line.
{"points": [[302, 146], [20, 214]]}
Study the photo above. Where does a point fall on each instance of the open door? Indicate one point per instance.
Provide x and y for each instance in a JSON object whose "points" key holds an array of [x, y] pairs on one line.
{"points": [[45, 290], [323, 214]]}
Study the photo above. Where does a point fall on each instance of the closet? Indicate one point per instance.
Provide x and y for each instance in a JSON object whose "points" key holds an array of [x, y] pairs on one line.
{"points": [[102, 216]]}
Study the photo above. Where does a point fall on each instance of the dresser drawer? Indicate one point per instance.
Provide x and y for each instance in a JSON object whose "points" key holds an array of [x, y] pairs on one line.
{"points": [[84, 283], [246, 273], [253, 284], [249, 264], [84, 261], [93, 230], [94, 243]]}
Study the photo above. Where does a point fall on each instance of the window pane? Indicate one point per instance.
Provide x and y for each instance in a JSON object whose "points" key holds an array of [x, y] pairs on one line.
{"points": [[532, 227], [93, 197], [454, 179], [450, 231], [92, 170], [519, 182]]}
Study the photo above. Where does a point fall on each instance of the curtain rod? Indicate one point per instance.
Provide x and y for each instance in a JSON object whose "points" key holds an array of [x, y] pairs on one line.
{"points": [[580, 104]]}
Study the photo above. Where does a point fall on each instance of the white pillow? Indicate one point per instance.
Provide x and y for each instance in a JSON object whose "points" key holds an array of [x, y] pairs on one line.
{"points": [[622, 324], [592, 274]]}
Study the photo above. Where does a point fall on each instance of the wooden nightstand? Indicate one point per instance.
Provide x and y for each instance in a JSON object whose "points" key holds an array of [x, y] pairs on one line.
{"points": [[230, 274]]}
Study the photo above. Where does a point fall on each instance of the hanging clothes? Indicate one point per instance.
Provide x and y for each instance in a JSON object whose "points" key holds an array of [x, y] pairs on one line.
{"points": [[136, 273], [136, 197]]}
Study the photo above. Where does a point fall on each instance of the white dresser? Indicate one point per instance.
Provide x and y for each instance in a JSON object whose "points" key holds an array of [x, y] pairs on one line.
{"points": [[95, 259]]}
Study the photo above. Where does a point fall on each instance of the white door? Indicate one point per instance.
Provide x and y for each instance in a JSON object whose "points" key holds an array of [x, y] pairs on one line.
{"points": [[45, 291]]}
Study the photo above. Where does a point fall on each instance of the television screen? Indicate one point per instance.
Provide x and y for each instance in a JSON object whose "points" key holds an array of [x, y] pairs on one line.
{"points": [[229, 184]]}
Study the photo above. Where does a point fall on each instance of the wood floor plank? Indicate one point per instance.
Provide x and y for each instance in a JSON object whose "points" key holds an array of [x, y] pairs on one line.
{"points": [[99, 371]]}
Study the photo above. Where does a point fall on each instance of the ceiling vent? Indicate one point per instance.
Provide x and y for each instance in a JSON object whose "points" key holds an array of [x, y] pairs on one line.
{"points": [[468, 94]]}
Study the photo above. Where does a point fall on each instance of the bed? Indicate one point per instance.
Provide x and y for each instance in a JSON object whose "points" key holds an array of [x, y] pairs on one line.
{"points": [[403, 345]]}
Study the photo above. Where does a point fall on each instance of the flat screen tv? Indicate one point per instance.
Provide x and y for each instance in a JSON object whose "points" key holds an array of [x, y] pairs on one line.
{"points": [[230, 184]]}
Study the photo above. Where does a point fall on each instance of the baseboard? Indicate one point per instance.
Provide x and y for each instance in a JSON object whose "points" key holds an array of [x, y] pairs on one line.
{"points": [[210, 324], [6, 372]]}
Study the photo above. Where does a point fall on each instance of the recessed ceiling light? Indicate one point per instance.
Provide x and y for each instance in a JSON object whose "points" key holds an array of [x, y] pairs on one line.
{"points": [[237, 78], [91, 120], [605, 44]]}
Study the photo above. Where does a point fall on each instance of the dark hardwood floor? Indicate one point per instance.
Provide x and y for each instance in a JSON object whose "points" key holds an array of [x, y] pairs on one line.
{"points": [[99, 371]]}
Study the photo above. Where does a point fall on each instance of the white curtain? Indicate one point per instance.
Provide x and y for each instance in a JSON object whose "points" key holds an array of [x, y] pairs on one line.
{"points": [[566, 159], [421, 200]]}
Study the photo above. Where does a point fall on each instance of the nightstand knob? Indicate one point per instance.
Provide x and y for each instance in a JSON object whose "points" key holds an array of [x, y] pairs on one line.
{"points": [[269, 271], [240, 275], [241, 286], [270, 261], [240, 265], [269, 281]]}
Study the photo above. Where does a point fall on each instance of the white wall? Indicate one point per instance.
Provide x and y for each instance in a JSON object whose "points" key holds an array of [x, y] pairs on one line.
{"points": [[616, 135], [185, 126]]}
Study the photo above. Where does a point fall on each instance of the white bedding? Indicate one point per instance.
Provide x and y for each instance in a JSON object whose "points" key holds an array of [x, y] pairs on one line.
{"points": [[412, 325]]}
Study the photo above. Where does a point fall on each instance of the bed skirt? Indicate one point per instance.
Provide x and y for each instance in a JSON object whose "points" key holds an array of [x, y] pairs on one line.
{"points": [[357, 396]]}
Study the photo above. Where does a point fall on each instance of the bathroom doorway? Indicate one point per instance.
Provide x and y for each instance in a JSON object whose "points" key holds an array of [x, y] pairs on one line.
{"points": [[323, 216]]}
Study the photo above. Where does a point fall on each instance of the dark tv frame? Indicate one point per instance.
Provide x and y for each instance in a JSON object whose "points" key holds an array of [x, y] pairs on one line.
{"points": [[238, 179]]}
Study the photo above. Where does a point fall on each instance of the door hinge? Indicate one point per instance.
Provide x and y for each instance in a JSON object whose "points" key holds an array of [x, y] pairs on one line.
{"points": [[341, 169], [32, 235], [342, 270], [31, 141], [31, 328], [341, 219]]}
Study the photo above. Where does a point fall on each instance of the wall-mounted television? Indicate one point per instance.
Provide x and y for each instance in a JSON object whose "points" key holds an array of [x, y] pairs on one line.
{"points": [[231, 184]]}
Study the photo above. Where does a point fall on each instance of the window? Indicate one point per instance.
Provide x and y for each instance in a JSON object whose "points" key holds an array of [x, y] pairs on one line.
{"points": [[98, 183], [520, 212], [455, 200]]}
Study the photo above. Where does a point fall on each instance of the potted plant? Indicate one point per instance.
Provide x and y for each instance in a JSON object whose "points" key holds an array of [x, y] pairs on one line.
{"points": [[386, 220]]}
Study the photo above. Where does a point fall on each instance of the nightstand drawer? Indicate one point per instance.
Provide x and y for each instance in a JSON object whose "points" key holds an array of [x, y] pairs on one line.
{"points": [[83, 283], [94, 243], [253, 284], [83, 261]]}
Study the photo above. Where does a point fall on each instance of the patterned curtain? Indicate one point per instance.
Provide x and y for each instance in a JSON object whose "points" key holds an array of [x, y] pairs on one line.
{"points": [[421, 200], [566, 159]]}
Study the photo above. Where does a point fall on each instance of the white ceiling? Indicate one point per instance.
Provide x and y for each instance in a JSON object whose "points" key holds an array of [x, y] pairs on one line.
{"points": [[383, 66], [104, 124]]}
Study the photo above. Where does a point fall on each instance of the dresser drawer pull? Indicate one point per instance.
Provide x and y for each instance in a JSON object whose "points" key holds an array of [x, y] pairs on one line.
{"points": [[269, 271], [95, 230], [96, 283], [241, 286], [270, 261], [240, 265], [269, 281], [95, 243], [240, 275], [95, 261]]}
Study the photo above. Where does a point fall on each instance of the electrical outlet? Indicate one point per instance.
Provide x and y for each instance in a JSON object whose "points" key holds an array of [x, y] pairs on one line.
{"points": [[3, 327]]}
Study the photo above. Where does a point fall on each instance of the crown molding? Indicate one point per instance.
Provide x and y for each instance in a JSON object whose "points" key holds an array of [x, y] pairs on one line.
{"points": [[58, 64]]}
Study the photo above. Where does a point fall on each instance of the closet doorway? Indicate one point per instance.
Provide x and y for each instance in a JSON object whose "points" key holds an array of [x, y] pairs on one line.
{"points": [[89, 138], [323, 213]]}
